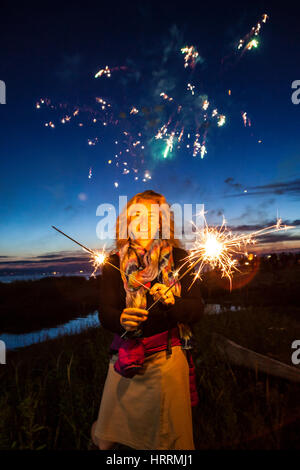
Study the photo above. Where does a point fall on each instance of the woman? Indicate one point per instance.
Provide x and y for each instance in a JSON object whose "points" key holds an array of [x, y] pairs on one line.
{"points": [[150, 386]]}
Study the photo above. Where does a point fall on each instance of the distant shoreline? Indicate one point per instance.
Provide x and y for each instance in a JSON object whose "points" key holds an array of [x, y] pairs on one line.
{"points": [[34, 277]]}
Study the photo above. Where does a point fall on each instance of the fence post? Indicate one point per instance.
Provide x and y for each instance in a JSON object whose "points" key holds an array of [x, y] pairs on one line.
{"points": [[2, 92], [2, 352]]}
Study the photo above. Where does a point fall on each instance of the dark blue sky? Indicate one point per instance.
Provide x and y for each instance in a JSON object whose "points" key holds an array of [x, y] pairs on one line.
{"points": [[54, 51]]}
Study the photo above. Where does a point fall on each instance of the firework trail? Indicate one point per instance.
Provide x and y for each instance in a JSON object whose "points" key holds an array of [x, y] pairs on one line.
{"points": [[251, 40], [246, 119], [107, 71]]}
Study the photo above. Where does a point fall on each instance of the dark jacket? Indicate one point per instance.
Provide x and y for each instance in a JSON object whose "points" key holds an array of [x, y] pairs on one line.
{"points": [[187, 309]]}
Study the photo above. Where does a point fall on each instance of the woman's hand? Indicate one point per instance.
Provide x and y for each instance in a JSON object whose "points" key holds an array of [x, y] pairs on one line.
{"points": [[159, 290], [131, 318]]}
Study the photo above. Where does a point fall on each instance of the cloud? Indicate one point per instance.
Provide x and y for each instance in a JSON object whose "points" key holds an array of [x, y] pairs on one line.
{"points": [[291, 188], [57, 255], [255, 214], [266, 203], [69, 67], [82, 197], [60, 257], [57, 190], [217, 212], [230, 182], [186, 185], [279, 237], [260, 226], [42, 262]]}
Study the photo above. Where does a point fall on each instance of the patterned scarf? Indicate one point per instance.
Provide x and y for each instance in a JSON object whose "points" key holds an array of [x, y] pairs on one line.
{"points": [[142, 266]]}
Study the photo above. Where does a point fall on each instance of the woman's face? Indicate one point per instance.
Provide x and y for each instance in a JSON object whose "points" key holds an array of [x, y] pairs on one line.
{"points": [[143, 220]]}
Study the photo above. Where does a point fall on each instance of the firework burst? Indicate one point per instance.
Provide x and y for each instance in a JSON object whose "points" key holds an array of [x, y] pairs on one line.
{"points": [[148, 111]]}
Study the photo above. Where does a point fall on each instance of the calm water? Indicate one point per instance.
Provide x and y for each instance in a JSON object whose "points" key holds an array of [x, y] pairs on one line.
{"points": [[14, 341], [35, 277], [215, 309]]}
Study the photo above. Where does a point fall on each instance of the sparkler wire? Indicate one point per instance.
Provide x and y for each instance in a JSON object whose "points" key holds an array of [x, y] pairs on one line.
{"points": [[93, 253]]}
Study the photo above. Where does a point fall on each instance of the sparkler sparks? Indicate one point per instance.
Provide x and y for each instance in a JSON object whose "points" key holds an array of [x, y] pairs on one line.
{"points": [[98, 258], [219, 248]]}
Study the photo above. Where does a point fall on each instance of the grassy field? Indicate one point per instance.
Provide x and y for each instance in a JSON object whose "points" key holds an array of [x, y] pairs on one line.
{"points": [[32, 305], [51, 392]]}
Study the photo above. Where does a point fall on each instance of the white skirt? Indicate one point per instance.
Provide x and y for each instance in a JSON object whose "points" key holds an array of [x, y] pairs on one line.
{"points": [[152, 410]]}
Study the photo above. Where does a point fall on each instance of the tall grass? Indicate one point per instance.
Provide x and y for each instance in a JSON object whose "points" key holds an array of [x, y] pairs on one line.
{"points": [[50, 392]]}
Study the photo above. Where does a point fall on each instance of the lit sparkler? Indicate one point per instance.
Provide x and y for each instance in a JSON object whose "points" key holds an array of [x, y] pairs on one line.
{"points": [[99, 258], [219, 248]]}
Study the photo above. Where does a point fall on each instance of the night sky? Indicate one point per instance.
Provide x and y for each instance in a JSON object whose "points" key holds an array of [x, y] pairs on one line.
{"points": [[54, 50]]}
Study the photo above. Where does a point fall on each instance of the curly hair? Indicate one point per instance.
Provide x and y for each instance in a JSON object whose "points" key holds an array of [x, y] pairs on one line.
{"points": [[165, 215]]}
